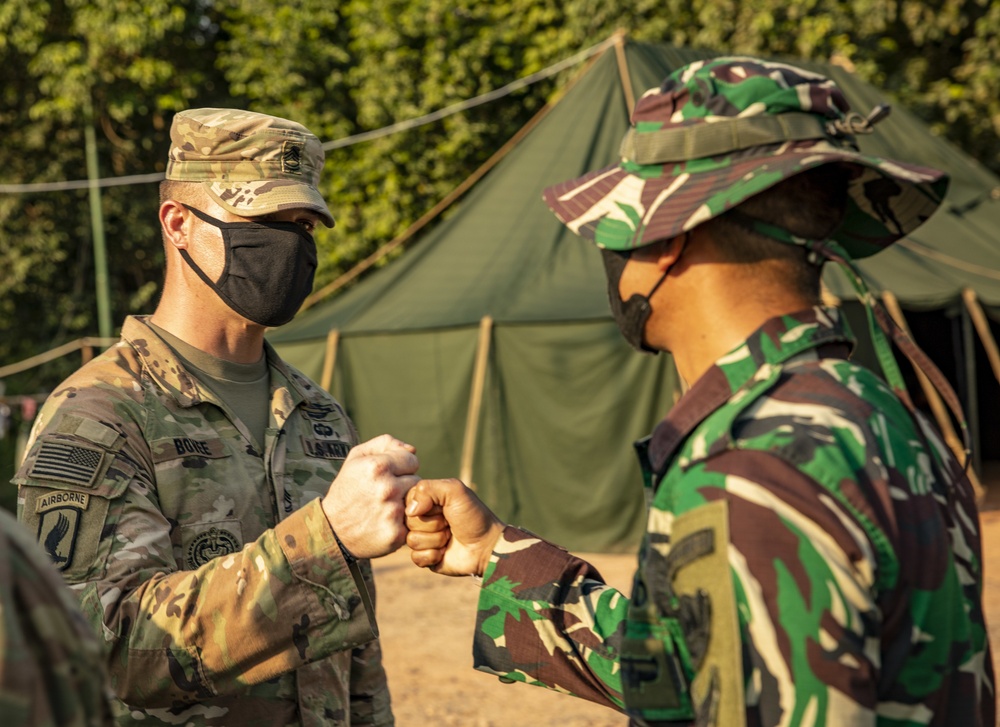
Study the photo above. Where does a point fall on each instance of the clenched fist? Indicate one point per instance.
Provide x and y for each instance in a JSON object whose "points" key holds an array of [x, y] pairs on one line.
{"points": [[365, 501], [451, 531]]}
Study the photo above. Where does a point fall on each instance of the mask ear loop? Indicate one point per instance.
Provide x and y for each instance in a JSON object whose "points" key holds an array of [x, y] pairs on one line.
{"points": [[880, 325]]}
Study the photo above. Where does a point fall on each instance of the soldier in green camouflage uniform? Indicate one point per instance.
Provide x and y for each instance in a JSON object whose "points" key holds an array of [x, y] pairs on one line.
{"points": [[181, 482], [51, 673], [812, 554]]}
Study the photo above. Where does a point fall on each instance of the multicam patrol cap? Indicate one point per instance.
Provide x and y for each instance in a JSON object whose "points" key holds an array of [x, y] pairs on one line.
{"points": [[252, 164], [722, 130]]}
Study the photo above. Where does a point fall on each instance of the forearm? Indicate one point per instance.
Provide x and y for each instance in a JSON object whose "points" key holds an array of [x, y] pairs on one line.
{"points": [[283, 601], [547, 618]]}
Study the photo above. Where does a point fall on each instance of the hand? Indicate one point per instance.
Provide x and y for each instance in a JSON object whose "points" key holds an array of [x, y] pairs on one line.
{"points": [[365, 501], [451, 531]]}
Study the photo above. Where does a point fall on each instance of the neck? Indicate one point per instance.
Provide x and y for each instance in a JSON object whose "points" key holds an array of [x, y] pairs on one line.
{"points": [[229, 337], [722, 315]]}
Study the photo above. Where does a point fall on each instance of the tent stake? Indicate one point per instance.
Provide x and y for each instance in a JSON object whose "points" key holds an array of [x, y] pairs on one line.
{"points": [[476, 400], [933, 398], [330, 359]]}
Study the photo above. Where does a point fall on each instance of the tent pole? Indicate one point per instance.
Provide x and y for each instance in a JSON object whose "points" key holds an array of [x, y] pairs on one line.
{"points": [[933, 398], [620, 36], [983, 329], [476, 400], [330, 358], [827, 296], [971, 387]]}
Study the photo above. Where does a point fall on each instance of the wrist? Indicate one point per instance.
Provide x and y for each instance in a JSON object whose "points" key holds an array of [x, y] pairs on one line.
{"points": [[348, 555], [489, 545]]}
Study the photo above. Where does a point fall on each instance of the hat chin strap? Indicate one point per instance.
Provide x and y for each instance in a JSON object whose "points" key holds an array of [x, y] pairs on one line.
{"points": [[880, 323]]}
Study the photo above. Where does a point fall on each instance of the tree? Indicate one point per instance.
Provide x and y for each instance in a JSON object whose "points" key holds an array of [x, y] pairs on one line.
{"points": [[347, 67], [134, 66]]}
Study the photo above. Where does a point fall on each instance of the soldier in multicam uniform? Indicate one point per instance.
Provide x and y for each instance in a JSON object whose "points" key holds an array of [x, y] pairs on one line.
{"points": [[181, 482], [812, 554], [51, 672]]}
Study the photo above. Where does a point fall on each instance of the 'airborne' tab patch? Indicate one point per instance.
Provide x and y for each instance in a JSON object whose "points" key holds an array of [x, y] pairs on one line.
{"points": [[62, 498], [66, 462]]}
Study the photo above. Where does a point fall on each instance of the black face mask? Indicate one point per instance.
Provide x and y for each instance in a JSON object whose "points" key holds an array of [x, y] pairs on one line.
{"points": [[268, 271], [630, 315]]}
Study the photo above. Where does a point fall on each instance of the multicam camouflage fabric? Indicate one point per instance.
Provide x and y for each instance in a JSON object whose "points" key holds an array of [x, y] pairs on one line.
{"points": [[252, 164], [51, 672], [722, 130], [209, 568], [849, 534]]}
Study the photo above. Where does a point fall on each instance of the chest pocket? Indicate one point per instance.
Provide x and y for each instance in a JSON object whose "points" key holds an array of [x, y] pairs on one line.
{"points": [[69, 486], [208, 494], [318, 440]]}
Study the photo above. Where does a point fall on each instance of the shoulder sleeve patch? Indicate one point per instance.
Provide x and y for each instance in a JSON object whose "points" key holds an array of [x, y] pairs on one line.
{"points": [[65, 489], [70, 462], [57, 531]]}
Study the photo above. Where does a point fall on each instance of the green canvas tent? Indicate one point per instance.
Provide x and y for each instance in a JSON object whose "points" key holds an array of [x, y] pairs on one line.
{"points": [[489, 344]]}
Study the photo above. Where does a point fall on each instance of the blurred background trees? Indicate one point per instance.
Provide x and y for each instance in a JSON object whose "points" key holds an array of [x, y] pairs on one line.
{"points": [[343, 68]]}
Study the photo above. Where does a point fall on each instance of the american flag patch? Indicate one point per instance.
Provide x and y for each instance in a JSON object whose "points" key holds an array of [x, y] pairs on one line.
{"points": [[67, 463]]}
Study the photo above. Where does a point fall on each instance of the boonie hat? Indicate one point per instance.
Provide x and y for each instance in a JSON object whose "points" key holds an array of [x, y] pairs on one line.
{"points": [[719, 131], [251, 164]]}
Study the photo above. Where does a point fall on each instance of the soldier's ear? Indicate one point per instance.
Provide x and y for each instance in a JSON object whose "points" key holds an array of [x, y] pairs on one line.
{"points": [[668, 252], [175, 221]]}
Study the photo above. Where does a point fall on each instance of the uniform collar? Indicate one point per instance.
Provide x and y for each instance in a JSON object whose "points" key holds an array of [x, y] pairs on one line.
{"points": [[777, 341], [170, 375]]}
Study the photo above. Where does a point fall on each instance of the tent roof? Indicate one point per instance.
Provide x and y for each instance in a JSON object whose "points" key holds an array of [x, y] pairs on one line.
{"points": [[501, 252]]}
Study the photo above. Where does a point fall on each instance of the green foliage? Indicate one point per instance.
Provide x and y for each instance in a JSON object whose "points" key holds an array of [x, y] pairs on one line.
{"points": [[342, 68]]}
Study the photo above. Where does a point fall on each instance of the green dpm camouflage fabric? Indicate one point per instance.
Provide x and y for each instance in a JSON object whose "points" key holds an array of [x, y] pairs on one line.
{"points": [[208, 568], [51, 672], [812, 558], [719, 131]]}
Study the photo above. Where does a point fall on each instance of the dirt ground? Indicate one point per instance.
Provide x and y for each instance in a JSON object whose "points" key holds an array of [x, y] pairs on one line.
{"points": [[426, 625]]}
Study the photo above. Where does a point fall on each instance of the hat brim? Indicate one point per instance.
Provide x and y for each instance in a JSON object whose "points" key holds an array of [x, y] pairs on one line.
{"points": [[253, 199], [625, 206]]}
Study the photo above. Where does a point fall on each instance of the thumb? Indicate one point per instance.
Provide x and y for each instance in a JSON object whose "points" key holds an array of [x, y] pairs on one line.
{"points": [[422, 498]]}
